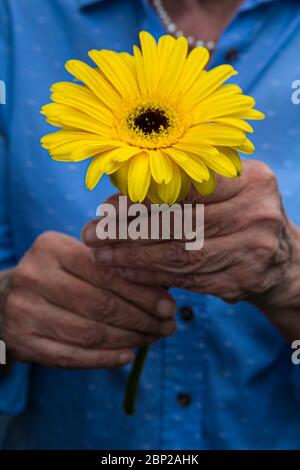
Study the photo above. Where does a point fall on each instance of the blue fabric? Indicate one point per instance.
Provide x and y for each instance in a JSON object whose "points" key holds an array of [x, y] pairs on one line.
{"points": [[245, 392]]}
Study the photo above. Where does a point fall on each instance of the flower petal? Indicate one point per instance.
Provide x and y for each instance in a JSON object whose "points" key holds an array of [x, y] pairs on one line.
{"points": [[103, 164], [208, 83], [139, 177], [150, 60], [233, 156], [213, 134], [250, 115], [212, 159], [194, 64], [78, 151], [247, 147], [193, 166], [208, 187], [80, 97], [116, 71], [173, 58], [185, 186], [141, 76], [216, 107], [153, 193], [169, 192], [95, 82], [120, 178], [161, 167], [235, 122], [177, 155], [76, 146], [65, 116], [95, 172], [124, 153], [194, 148]]}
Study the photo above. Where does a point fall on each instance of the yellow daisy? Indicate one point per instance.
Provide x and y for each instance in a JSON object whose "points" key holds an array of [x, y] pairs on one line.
{"points": [[155, 121]]}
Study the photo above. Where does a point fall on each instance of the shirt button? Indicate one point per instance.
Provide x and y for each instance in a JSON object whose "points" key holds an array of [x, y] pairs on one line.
{"points": [[184, 399], [232, 55], [186, 313]]}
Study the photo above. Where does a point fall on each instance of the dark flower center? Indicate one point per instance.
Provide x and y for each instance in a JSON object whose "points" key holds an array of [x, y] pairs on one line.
{"points": [[150, 120]]}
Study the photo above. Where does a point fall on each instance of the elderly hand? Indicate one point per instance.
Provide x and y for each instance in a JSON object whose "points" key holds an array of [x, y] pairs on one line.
{"points": [[63, 310], [251, 250]]}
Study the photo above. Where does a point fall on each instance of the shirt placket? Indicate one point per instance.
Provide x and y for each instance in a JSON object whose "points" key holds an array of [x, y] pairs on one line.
{"points": [[183, 376]]}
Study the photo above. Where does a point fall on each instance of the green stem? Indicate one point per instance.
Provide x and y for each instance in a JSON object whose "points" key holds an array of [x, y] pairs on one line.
{"points": [[133, 381]]}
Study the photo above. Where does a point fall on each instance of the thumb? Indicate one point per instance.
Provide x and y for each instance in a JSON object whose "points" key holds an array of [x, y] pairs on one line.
{"points": [[226, 188]]}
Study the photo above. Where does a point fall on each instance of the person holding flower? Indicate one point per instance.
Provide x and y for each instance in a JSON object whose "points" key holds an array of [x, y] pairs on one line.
{"points": [[225, 379]]}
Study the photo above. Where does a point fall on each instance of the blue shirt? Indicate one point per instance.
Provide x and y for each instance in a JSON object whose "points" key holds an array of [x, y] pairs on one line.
{"points": [[236, 368]]}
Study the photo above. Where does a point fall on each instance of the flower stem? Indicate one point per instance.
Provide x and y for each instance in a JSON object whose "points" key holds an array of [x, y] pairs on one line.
{"points": [[133, 381]]}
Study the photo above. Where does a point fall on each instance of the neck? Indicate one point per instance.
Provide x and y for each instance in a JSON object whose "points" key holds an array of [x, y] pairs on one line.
{"points": [[213, 7], [205, 19]]}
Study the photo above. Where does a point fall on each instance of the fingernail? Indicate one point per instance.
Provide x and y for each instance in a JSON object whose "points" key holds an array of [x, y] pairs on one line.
{"points": [[125, 358], [105, 255], [166, 308], [89, 235]]}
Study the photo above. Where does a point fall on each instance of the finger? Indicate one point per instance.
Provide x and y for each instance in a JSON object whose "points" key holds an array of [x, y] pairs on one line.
{"points": [[228, 217], [121, 214], [226, 188], [153, 219], [218, 284], [221, 218], [236, 214], [90, 233], [65, 327], [173, 256], [55, 354], [156, 302], [62, 291], [254, 173]]}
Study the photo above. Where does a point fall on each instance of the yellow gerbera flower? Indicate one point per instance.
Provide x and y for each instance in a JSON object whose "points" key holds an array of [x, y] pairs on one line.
{"points": [[155, 121]]}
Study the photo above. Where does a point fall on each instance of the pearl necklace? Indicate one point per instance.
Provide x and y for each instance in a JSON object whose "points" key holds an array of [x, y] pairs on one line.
{"points": [[172, 27]]}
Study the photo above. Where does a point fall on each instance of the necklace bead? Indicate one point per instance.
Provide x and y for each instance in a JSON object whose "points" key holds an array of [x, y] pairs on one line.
{"points": [[172, 27]]}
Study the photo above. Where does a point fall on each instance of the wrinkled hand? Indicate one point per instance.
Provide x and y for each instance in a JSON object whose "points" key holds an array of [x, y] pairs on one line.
{"points": [[63, 310], [247, 250]]}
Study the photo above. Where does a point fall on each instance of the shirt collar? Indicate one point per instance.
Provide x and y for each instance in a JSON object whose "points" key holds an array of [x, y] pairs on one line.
{"points": [[87, 3], [251, 4], [247, 5]]}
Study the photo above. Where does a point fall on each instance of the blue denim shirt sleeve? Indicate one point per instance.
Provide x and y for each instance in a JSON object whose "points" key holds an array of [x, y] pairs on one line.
{"points": [[13, 387], [6, 249], [232, 367]]}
